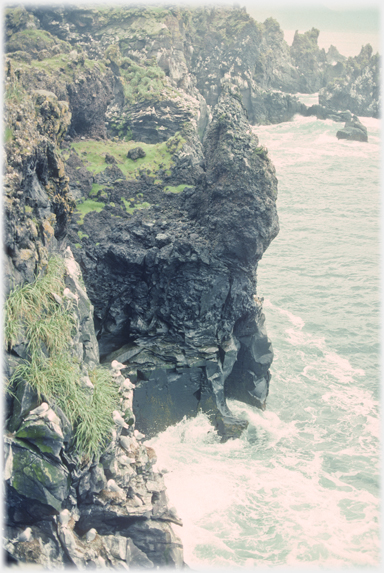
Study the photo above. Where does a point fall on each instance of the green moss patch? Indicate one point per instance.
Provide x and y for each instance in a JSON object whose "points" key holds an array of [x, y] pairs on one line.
{"points": [[32, 40], [37, 478], [177, 189], [135, 206], [88, 206], [95, 189], [94, 160]]}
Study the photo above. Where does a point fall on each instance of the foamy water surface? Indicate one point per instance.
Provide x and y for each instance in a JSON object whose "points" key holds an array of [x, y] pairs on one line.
{"points": [[301, 485]]}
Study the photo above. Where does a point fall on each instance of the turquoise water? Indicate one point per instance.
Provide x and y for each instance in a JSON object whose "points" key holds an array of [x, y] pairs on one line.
{"points": [[301, 485]]}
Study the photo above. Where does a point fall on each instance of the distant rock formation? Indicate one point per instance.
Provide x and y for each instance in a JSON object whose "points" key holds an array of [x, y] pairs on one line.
{"points": [[309, 60], [353, 130], [357, 88]]}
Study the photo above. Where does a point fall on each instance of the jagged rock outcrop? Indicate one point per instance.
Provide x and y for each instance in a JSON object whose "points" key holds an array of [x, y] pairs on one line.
{"points": [[357, 88], [194, 51], [36, 194], [309, 60], [353, 130], [173, 285]]}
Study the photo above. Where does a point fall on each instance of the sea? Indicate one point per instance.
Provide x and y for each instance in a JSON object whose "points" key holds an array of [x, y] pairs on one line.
{"points": [[301, 487]]}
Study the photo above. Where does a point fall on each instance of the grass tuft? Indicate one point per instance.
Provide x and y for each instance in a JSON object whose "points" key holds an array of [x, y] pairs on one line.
{"points": [[47, 326]]}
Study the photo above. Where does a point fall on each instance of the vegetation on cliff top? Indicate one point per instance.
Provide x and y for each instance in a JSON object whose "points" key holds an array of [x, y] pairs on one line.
{"points": [[92, 152]]}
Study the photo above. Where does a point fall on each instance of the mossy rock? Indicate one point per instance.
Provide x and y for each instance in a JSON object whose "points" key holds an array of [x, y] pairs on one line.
{"points": [[33, 41], [37, 478], [46, 439]]}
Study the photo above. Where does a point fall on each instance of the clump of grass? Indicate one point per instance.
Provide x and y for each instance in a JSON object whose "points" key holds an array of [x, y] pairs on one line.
{"points": [[47, 326], [95, 419], [27, 303]]}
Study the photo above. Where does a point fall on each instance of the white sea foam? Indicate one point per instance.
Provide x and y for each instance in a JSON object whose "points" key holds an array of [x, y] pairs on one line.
{"points": [[300, 486], [295, 320]]}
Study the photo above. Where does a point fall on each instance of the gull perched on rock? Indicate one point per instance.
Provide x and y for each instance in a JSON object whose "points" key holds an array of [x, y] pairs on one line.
{"points": [[127, 385], [40, 410], [118, 419], [116, 367], [25, 535], [69, 294], [64, 517], [112, 486], [91, 534]]}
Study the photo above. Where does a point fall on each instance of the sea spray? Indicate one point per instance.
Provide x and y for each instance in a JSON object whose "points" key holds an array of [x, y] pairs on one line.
{"points": [[301, 485]]}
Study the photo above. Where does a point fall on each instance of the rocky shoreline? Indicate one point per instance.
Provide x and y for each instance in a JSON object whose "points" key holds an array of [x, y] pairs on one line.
{"points": [[137, 203]]}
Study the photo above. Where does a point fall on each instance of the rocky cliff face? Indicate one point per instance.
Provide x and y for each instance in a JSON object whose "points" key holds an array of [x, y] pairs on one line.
{"points": [[311, 62], [138, 203], [80, 486], [174, 284], [67, 506], [357, 87]]}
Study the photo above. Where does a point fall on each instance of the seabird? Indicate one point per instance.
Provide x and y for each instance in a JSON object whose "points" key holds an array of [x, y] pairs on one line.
{"points": [[118, 419], [117, 365]]}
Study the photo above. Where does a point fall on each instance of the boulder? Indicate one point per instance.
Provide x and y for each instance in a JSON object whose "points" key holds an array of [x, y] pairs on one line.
{"points": [[229, 427], [353, 130], [109, 158], [136, 153]]}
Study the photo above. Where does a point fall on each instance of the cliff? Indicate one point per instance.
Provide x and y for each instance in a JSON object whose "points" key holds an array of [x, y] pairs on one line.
{"points": [[357, 85], [138, 202]]}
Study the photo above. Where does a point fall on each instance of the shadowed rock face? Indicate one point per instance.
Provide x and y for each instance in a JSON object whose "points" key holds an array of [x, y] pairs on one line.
{"points": [[174, 288]]}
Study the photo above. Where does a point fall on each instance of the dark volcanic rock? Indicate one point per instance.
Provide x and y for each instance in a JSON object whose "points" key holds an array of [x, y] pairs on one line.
{"points": [[136, 153], [174, 293], [89, 99], [322, 112], [229, 427], [109, 158], [353, 130]]}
